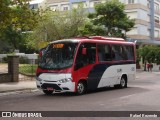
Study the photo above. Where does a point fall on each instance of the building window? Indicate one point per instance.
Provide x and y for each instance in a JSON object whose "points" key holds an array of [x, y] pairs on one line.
{"points": [[156, 6], [131, 1], [156, 19], [148, 3], [96, 2], [33, 6], [156, 33], [54, 7], [65, 8]]}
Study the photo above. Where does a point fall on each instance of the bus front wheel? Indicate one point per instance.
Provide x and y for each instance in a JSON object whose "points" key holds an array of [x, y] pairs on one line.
{"points": [[47, 92], [81, 88]]}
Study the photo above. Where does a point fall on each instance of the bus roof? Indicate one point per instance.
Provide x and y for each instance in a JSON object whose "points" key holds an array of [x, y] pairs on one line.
{"points": [[105, 38], [96, 39]]}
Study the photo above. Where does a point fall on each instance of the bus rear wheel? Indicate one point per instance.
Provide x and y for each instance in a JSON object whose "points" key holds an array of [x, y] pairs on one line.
{"points": [[81, 88], [47, 92], [123, 83]]}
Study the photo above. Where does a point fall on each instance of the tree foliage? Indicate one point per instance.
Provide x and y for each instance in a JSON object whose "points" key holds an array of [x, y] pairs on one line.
{"points": [[111, 18], [17, 14], [12, 40], [55, 25], [16, 17], [5, 13], [149, 53], [89, 29]]}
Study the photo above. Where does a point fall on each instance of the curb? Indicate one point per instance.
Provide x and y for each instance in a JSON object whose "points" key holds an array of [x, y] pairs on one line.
{"points": [[19, 90]]}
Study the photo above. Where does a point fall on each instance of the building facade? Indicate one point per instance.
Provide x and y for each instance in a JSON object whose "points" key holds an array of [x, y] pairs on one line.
{"points": [[58, 5], [35, 4], [145, 12]]}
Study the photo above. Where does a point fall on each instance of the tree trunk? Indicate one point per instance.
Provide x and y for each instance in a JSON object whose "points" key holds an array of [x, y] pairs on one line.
{"points": [[144, 66]]}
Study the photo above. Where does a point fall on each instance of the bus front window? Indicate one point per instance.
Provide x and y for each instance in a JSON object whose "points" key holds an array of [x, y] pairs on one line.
{"points": [[58, 56]]}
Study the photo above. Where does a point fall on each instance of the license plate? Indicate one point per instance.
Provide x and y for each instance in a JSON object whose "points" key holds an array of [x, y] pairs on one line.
{"points": [[50, 88]]}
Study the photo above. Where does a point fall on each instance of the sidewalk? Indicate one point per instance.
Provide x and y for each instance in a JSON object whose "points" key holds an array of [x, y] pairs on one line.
{"points": [[18, 86], [155, 70]]}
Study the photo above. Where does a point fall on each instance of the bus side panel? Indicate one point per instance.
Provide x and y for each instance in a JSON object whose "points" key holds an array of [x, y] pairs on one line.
{"points": [[113, 74], [95, 75], [82, 74], [109, 74]]}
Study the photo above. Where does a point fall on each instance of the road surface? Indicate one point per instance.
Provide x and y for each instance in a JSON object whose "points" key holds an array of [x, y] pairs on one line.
{"points": [[143, 94]]}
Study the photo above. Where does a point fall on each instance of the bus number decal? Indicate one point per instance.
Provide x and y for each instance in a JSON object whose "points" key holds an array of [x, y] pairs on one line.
{"points": [[119, 70]]}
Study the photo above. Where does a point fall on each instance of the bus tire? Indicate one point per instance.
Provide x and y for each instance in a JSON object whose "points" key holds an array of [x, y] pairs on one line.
{"points": [[81, 88], [47, 92], [123, 82]]}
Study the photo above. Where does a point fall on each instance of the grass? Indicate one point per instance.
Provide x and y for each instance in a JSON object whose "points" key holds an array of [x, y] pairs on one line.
{"points": [[3, 63], [27, 69]]}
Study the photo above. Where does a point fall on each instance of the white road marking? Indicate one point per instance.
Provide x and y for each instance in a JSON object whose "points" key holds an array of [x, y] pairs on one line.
{"points": [[126, 96]]}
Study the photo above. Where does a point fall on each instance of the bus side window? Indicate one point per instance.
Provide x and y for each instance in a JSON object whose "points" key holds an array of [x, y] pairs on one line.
{"points": [[129, 52], [88, 58], [101, 52], [104, 52], [91, 54], [112, 54], [117, 51], [120, 52], [124, 53]]}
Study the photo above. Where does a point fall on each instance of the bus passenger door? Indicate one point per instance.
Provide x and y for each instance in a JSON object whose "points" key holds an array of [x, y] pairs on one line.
{"points": [[85, 61]]}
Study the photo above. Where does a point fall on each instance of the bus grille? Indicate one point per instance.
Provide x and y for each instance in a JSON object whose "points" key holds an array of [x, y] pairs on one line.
{"points": [[54, 86]]}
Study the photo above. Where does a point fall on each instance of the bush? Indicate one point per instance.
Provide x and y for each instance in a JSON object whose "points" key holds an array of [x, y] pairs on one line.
{"points": [[23, 60], [27, 69], [5, 59]]}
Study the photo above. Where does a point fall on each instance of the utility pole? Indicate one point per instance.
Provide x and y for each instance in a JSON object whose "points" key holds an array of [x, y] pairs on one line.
{"points": [[152, 20]]}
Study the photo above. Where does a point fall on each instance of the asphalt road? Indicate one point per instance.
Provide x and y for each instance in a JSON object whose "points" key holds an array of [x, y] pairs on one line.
{"points": [[143, 94]]}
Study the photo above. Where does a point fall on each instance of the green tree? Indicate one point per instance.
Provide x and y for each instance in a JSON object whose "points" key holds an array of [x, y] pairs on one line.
{"points": [[5, 13], [17, 17], [112, 19], [150, 54], [157, 56], [55, 25], [91, 30], [25, 18], [17, 13]]}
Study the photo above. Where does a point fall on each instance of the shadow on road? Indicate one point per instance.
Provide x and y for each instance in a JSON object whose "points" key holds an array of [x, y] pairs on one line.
{"points": [[107, 91]]}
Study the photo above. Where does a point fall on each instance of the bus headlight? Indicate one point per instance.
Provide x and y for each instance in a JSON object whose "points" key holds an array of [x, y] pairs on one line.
{"points": [[65, 80]]}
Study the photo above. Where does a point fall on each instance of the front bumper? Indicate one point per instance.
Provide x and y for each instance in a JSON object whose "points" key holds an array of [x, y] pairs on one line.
{"points": [[56, 86]]}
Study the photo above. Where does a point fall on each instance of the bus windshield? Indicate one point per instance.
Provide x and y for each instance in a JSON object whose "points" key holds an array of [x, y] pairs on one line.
{"points": [[58, 55]]}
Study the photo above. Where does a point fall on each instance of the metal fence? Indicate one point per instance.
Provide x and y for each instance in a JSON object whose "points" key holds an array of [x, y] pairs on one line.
{"points": [[27, 68], [26, 71], [3, 65]]}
